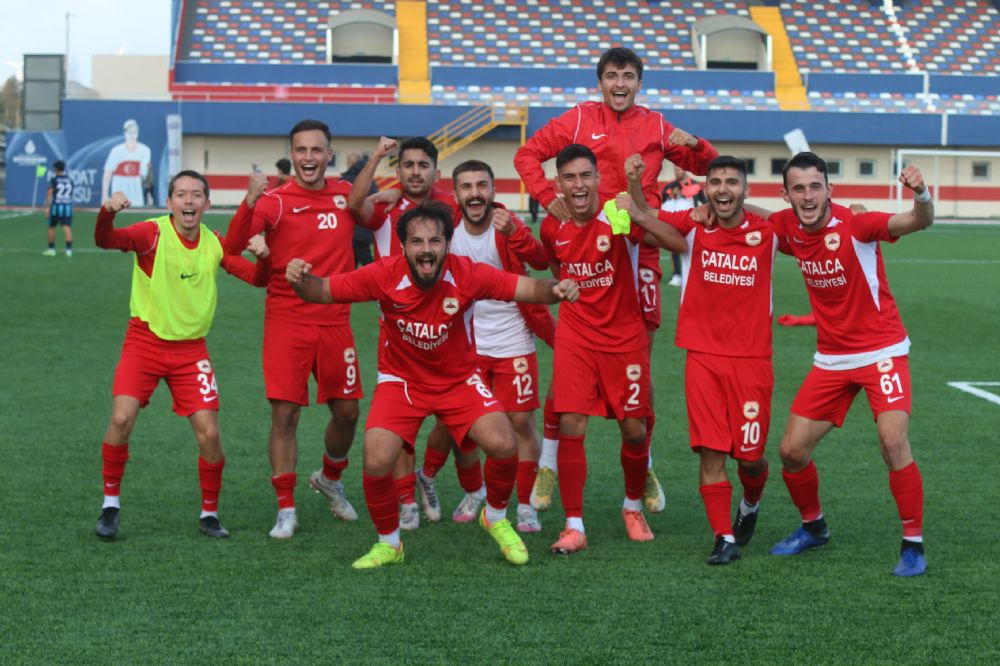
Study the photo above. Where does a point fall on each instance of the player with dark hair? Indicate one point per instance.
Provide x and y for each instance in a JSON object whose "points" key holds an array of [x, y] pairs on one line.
{"points": [[427, 365], [724, 323], [59, 201], [613, 129], [284, 167], [601, 357], [861, 344], [172, 307], [485, 231], [306, 217], [417, 172]]}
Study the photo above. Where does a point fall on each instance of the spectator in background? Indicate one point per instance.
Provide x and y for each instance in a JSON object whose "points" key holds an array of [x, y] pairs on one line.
{"points": [[533, 207], [284, 167], [362, 237], [680, 194], [148, 195]]}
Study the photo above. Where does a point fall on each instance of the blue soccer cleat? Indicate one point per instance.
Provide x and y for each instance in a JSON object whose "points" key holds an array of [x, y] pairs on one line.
{"points": [[798, 541], [911, 563]]}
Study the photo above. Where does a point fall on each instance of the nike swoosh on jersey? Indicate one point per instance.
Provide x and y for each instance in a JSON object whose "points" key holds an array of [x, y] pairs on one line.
{"points": [[595, 136], [490, 403], [561, 243], [299, 210], [645, 309]]}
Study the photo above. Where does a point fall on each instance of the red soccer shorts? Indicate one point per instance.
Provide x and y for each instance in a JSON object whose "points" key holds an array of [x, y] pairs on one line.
{"points": [[826, 395], [649, 292], [610, 384], [185, 366], [728, 403], [401, 407], [514, 381], [294, 351]]}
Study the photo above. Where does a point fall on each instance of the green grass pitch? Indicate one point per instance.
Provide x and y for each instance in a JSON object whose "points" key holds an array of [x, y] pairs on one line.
{"points": [[162, 593]]}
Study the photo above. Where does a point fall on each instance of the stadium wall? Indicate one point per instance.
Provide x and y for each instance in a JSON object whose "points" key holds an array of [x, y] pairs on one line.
{"points": [[224, 139]]}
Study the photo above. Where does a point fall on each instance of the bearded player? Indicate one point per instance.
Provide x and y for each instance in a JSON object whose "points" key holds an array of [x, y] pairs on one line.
{"points": [[427, 365]]}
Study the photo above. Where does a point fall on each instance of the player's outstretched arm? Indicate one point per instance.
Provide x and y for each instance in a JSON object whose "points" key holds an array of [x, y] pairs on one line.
{"points": [[691, 153], [241, 225], [530, 290], [657, 232], [358, 202], [306, 285], [921, 215]]}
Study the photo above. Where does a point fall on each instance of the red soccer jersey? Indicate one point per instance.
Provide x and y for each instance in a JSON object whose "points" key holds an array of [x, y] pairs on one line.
{"points": [[845, 278], [383, 222], [607, 316], [314, 225], [726, 299], [426, 334]]}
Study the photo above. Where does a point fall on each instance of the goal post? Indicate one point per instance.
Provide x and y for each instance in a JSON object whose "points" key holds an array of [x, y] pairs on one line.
{"points": [[962, 182]]}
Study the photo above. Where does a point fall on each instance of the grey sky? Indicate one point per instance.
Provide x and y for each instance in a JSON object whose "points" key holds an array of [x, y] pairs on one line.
{"points": [[130, 27]]}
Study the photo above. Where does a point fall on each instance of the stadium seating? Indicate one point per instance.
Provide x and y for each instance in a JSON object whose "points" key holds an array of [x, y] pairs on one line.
{"points": [[261, 31], [537, 33], [856, 37]]}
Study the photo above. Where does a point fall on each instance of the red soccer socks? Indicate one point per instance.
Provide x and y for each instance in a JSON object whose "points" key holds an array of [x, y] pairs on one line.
{"points": [[284, 488], [803, 486], [572, 461], [114, 458], [907, 487], [718, 498], [210, 479]]}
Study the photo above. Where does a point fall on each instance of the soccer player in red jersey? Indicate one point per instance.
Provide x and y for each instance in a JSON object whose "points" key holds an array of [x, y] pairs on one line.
{"points": [[417, 173], [724, 323], [601, 358], [505, 333], [428, 365], [614, 129], [172, 307], [861, 344], [305, 217]]}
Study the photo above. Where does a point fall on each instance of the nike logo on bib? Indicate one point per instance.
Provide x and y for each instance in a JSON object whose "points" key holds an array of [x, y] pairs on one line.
{"points": [[595, 136], [298, 209], [185, 276]]}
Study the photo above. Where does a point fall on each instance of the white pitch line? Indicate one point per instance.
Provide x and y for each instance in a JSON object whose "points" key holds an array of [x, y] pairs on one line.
{"points": [[970, 387]]}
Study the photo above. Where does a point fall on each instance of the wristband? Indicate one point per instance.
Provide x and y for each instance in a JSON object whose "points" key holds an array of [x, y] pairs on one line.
{"points": [[924, 196]]}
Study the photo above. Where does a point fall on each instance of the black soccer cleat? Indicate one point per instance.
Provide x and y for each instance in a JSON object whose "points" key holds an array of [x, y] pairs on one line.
{"points": [[211, 527], [107, 524], [743, 527], [724, 552]]}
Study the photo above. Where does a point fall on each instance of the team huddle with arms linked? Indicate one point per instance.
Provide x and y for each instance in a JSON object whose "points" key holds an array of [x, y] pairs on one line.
{"points": [[460, 316]]}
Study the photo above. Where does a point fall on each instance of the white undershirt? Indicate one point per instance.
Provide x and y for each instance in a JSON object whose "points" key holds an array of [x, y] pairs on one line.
{"points": [[501, 331]]}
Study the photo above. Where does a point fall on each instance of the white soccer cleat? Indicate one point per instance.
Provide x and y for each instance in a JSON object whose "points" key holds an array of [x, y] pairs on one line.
{"points": [[429, 497], [286, 524], [409, 517], [468, 508], [527, 519], [334, 492]]}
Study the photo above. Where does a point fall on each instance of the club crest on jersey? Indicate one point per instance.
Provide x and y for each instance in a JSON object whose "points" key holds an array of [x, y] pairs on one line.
{"points": [[753, 238], [450, 305], [633, 372], [751, 409], [832, 241], [340, 201], [520, 365], [885, 365], [350, 356], [646, 275], [603, 243]]}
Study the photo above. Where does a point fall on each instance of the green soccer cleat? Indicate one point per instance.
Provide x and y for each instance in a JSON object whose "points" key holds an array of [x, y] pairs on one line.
{"points": [[380, 555], [510, 543], [545, 486]]}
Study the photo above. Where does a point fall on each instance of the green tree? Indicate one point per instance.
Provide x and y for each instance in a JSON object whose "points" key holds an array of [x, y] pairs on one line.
{"points": [[10, 102]]}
